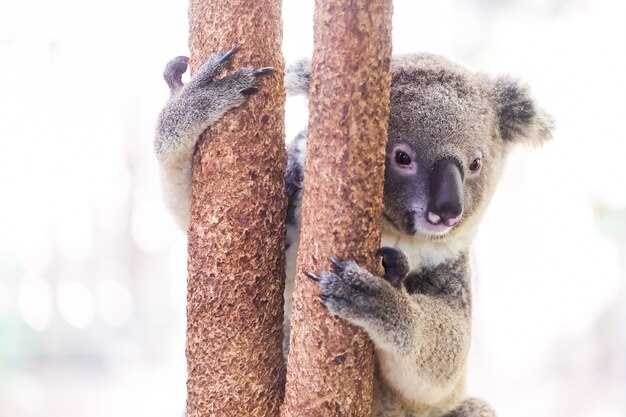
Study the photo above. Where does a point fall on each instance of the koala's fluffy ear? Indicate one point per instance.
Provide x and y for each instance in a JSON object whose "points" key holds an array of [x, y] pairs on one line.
{"points": [[521, 120]]}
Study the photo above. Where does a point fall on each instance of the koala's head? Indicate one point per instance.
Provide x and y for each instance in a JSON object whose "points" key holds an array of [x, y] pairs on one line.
{"points": [[449, 133]]}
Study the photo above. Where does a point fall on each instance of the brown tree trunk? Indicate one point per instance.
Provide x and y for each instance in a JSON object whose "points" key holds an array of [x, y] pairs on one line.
{"points": [[236, 236], [330, 367]]}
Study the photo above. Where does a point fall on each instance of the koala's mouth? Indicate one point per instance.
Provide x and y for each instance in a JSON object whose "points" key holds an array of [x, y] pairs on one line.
{"points": [[417, 224]]}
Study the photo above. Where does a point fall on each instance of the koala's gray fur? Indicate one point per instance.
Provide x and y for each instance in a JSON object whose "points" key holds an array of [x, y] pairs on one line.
{"points": [[450, 130], [190, 110]]}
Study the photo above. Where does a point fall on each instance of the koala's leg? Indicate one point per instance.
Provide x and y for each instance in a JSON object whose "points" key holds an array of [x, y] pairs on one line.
{"points": [[421, 333], [472, 407], [294, 176], [191, 109]]}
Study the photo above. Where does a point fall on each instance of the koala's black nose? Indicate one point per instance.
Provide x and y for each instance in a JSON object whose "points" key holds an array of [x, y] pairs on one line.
{"points": [[446, 193]]}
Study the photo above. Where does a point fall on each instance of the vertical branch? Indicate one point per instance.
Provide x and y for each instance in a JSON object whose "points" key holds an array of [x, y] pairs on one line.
{"points": [[330, 366], [236, 235]]}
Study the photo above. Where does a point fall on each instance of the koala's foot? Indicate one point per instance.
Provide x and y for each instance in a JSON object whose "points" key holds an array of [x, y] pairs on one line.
{"points": [[368, 301], [173, 73], [216, 64], [349, 291], [243, 81], [396, 265], [177, 66], [199, 103], [472, 407]]}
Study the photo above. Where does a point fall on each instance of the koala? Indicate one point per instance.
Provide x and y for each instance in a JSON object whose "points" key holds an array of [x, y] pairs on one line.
{"points": [[450, 130]]}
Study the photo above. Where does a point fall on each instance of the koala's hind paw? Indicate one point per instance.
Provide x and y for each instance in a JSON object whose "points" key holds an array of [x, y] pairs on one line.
{"points": [[396, 265], [350, 291], [472, 407]]}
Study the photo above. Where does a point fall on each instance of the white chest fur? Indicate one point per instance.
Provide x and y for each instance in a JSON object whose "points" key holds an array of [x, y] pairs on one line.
{"points": [[423, 252]]}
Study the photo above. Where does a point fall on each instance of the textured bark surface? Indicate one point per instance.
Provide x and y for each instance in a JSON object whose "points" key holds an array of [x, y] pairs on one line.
{"points": [[236, 235], [330, 367]]}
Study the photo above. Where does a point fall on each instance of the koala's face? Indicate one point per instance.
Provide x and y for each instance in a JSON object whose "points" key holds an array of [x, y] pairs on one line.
{"points": [[449, 133]]}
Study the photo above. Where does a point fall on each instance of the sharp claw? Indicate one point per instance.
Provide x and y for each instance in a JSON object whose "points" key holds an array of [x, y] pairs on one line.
{"points": [[226, 55], [324, 297], [263, 71], [311, 275], [249, 91], [337, 263]]}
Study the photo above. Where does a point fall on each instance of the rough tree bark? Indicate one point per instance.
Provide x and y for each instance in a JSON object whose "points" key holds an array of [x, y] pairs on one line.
{"points": [[329, 371], [236, 236]]}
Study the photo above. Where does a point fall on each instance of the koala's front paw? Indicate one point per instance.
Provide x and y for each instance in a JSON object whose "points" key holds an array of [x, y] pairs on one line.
{"points": [[351, 292], [239, 85], [370, 302], [216, 64], [173, 73], [396, 265], [200, 103]]}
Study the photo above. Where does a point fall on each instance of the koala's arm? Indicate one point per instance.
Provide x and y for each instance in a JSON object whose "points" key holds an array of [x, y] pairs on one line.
{"points": [[192, 108], [420, 325], [298, 77]]}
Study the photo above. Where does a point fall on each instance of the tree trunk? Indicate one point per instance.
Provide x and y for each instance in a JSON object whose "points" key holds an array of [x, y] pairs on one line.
{"points": [[330, 367], [236, 236]]}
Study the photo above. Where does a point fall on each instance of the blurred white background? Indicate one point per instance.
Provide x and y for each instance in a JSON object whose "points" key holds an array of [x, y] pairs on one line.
{"points": [[92, 269]]}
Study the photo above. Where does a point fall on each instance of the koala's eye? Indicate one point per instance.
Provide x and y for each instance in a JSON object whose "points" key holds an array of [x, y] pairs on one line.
{"points": [[402, 158], [475, 165]]}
